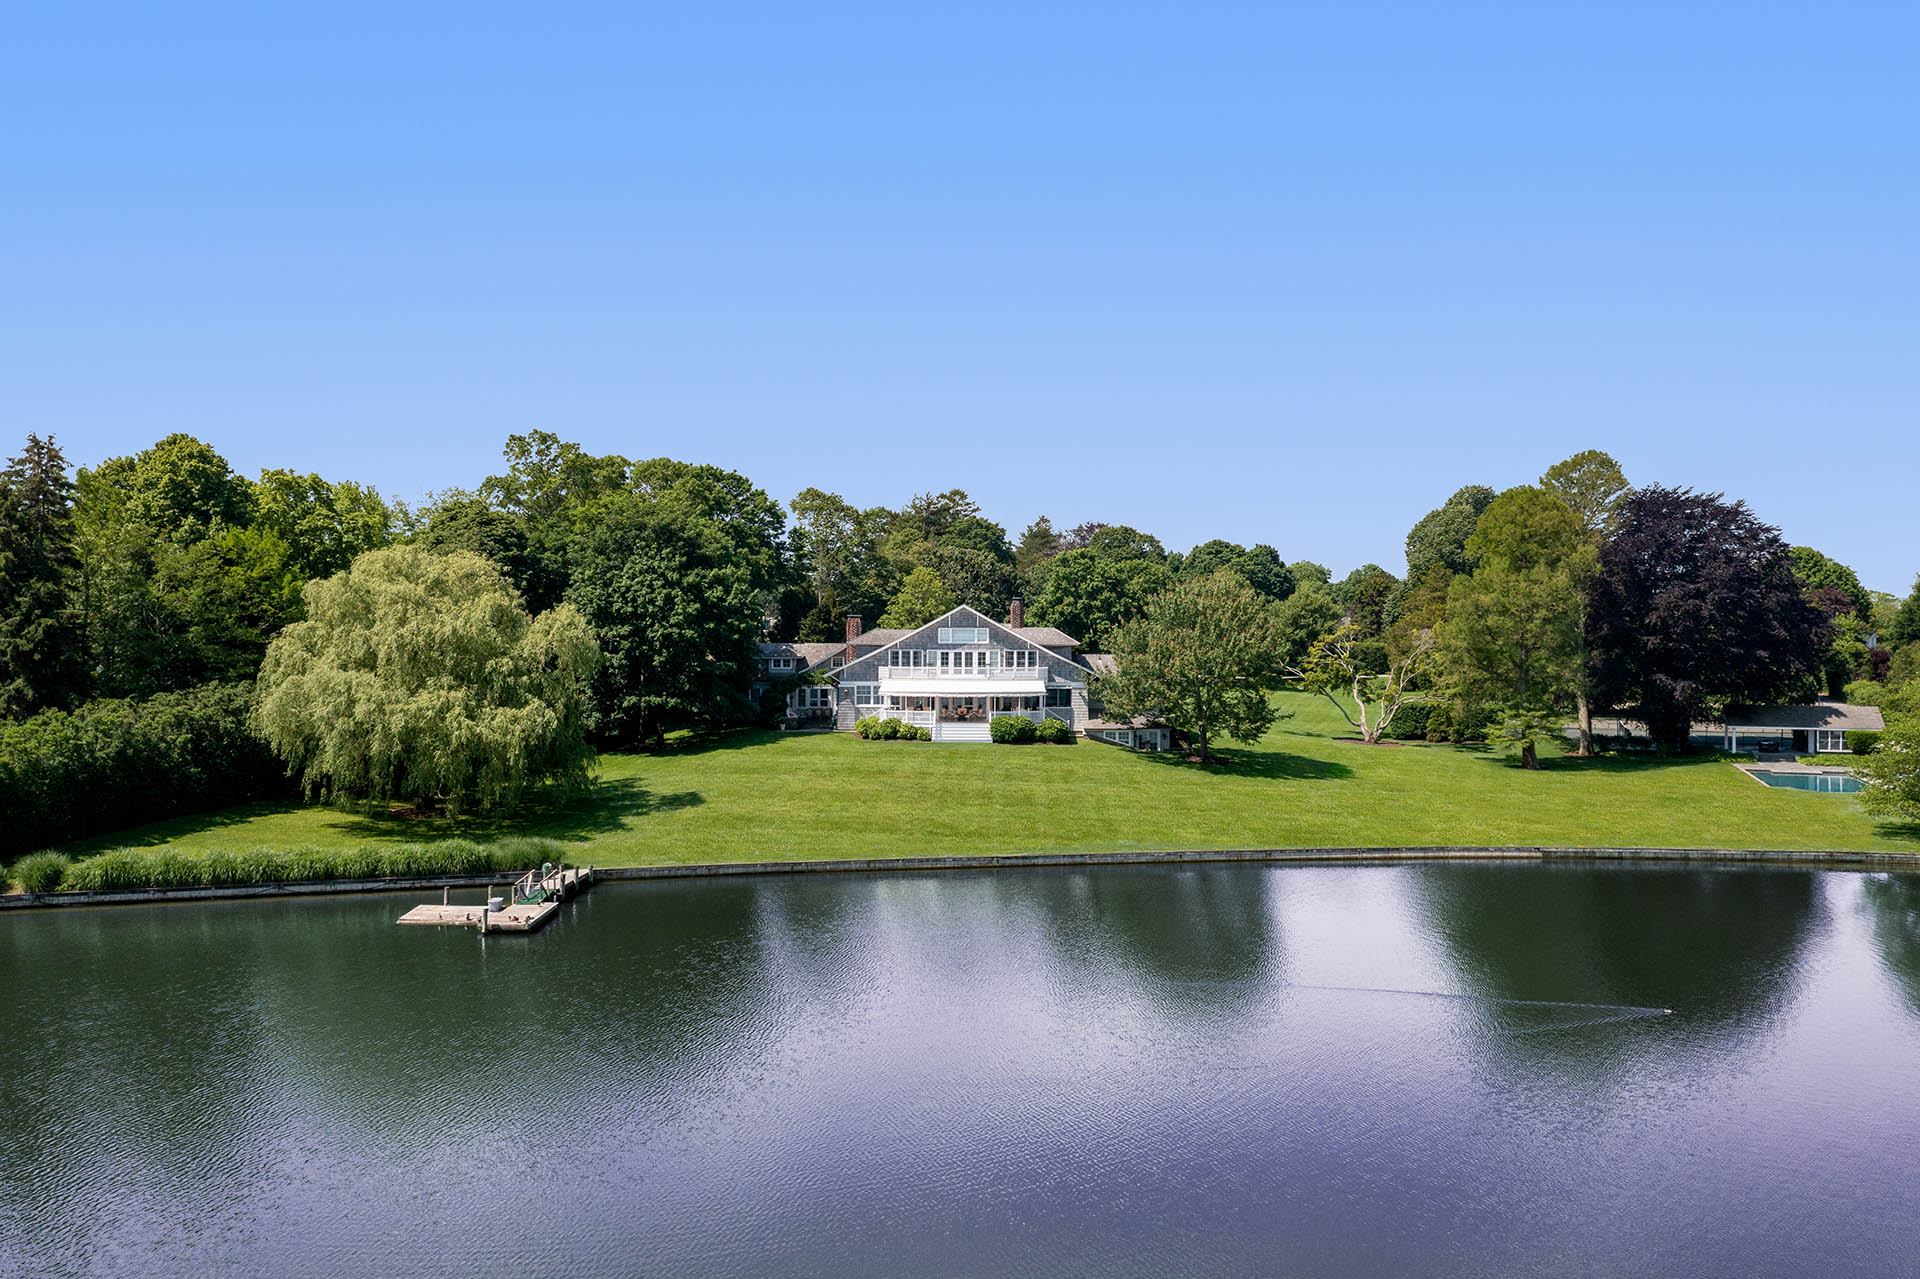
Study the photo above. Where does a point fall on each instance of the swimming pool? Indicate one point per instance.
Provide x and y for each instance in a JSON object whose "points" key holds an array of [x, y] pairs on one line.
{"points": [[1830, 783]]}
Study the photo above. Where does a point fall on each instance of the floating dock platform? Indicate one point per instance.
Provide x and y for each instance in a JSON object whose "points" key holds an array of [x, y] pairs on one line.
{"points": [[534, 901]]}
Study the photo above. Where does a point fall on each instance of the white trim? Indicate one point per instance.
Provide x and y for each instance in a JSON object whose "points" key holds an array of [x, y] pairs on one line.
{"points": [[962, 686], [1008, 631]]}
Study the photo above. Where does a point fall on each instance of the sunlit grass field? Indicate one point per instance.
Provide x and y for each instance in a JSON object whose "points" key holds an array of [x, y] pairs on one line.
{"points": [[752, 796]]}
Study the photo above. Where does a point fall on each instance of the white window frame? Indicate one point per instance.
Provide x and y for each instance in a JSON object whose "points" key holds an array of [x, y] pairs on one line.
{"points": [[781, 663], [1829, 741]]}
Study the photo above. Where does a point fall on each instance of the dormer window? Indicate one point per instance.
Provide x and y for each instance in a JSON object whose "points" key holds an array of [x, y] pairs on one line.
{"points": [[781, 663]]}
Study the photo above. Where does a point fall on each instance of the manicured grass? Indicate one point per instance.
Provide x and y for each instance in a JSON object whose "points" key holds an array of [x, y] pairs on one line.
{"points": [[761, 796]]}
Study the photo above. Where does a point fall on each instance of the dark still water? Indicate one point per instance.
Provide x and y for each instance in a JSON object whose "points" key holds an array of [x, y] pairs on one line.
{"points": [[1233, 1069]]}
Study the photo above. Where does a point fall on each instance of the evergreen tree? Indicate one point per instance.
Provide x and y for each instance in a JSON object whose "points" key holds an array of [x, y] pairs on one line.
{"points": [[42, 643], [1037, 543]]}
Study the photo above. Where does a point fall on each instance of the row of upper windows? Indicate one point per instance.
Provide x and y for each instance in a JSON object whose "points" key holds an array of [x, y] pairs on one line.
{"points": [[1005, 659]]}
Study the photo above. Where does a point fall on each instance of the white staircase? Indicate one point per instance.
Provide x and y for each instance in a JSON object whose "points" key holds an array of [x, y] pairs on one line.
{"points": [[959, 732]]}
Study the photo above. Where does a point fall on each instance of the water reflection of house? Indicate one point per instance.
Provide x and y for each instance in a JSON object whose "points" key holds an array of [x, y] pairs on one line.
{"points": [[952, 676]]}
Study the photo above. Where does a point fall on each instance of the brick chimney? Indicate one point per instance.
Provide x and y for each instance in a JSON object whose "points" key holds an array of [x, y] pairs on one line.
{"points": [[853, 633], [1017, 614]]}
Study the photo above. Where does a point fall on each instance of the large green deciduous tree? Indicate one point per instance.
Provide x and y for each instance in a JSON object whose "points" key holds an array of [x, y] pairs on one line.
{"points": [[1892, 771], [1364, 594], [677, 617], [975, 577], [1088, 594], [42, 640], [1905, 627], [179, 584], [753, 525], [1512, 634], [923, 597], [1202, 657], [421, 677], [1441, 535], [325, 524], [180, 488], [1258, 566], [1831, 586], [1591, 483], [1303, 618]]}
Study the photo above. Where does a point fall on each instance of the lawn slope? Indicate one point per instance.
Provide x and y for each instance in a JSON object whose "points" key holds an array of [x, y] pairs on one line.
{"points": [[761, 796]]}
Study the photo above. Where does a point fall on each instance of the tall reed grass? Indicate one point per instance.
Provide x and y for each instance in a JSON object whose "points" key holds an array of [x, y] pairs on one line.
{"points": [[167, 867]]}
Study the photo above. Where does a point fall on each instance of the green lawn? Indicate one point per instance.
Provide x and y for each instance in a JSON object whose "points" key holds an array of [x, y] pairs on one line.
{"points": [[761, 796]]}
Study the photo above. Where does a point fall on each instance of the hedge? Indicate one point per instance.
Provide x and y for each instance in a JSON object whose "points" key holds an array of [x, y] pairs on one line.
{"points": [[1861, 741], [115, 763], [1411, 721], [1011, 730], [168, 867], [875, 729]]}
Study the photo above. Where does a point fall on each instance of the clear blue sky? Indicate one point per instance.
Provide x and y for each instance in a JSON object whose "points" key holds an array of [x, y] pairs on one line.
{"points": [[1274, 273]]}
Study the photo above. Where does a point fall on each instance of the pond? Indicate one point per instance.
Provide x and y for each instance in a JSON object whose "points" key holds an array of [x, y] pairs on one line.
{"points": [[1451, 1069]]}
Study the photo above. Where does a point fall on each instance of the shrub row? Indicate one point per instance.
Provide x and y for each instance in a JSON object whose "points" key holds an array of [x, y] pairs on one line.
{"points": [[135, 868], [875, 729], [1861, 741], [1441, 722], [115, 763], [1018, 730]]}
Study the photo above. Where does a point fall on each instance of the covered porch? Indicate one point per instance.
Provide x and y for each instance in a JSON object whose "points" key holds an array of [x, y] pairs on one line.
{"points": [[963, 714]]}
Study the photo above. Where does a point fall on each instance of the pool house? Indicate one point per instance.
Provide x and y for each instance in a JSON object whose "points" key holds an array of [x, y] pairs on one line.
{"points": [[1819, 728]]}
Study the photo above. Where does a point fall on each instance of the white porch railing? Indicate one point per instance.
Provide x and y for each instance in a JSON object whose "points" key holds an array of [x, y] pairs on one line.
{"points": [[965, 672]]}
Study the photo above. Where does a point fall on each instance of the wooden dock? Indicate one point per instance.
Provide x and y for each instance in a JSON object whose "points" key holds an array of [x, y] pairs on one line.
{"points": [[532, 903]]}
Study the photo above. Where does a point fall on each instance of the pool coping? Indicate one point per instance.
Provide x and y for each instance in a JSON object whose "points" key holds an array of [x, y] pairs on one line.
{"points": [[1797, 769], [1823, 859]]}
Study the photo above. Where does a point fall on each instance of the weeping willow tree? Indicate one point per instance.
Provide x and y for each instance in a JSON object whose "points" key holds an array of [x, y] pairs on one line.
{"points": [[420, 677]]}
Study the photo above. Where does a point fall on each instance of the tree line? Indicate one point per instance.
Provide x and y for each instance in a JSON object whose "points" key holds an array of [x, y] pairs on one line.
{"points": [[496, 636]]}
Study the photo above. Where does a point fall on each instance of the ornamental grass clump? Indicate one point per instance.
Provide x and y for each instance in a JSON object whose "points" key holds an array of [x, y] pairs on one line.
{"points": [[40, 872]]}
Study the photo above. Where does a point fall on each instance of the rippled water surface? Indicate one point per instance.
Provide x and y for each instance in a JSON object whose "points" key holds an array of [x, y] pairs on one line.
{"points": [[1464, 1069]]}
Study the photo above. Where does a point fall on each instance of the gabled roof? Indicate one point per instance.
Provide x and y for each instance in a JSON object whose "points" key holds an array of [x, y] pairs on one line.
{"points": [[1045, 636], [1025, 634], [880, 637], [811, 654], [1100, 663]]}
